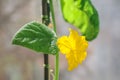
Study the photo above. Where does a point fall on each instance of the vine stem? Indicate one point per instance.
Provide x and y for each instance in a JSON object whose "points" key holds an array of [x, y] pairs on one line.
{"points": [[53, 15], [57, 67], [57, 54], [46, 21]]}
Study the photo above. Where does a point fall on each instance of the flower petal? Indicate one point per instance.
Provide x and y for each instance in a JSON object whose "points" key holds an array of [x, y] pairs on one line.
{"points": [[63, 44], [74, 47], [73, 37], [72, 63], [82, 44]]}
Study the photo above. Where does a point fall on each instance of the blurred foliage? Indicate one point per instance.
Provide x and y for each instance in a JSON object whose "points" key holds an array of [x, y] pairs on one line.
{"points": [[83, 15]]}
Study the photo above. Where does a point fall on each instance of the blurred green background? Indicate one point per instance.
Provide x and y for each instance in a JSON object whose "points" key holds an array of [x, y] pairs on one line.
{"points": [[18, 63]]}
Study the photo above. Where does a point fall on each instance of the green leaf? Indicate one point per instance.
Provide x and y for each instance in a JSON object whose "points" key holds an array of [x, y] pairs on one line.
{"points": [[37, 37], [83, 15]]}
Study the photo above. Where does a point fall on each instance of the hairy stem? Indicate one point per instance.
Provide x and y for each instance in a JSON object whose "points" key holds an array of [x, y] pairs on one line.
{"points": [[57, 67], [53, 15], [57, 55], [46, 21]]}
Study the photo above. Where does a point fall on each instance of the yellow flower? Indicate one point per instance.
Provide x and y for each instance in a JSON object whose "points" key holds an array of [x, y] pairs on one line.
{"points": [[74, 48]]}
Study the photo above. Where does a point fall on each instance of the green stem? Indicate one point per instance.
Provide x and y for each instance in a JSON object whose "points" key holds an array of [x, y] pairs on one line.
{"points": [[57, 67], [57, 55], [53, 15]]}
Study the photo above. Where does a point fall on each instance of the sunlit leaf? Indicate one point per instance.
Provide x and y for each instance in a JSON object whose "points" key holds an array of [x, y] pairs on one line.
{"points": [[83, 15], [37, 37]]}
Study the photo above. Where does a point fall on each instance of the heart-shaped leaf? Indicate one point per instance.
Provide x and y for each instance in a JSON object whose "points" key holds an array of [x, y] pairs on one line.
{"points": [[37, 37], [83, 15]]}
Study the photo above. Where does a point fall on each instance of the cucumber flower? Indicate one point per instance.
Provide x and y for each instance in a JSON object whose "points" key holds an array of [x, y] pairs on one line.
{"points": [[74, 48]]}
